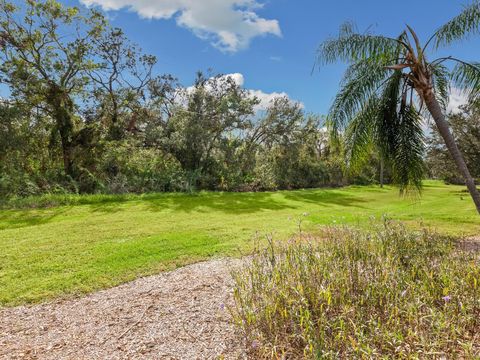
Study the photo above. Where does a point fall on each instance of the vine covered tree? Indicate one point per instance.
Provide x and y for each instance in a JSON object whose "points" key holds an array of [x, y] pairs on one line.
{"points": [[46, 53], [388, 83]]}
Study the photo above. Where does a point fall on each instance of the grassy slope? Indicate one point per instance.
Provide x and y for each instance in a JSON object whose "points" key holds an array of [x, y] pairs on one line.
{"points": [[100, 241]]}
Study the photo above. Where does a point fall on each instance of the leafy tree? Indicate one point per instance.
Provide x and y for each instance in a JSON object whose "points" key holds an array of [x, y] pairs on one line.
{"points": [[466, 129], [121, 81], [377, 93], [281, 120], [138, 169], [47, 52], [215, 109], [293, 148]]}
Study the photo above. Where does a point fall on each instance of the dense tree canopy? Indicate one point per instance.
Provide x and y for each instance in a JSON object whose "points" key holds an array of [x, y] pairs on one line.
{"points": [[83, 109], [466, 129], [85, 112]]}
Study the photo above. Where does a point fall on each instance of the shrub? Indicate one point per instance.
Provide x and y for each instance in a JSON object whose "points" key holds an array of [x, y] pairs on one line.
{"points": [[388, 292], [128, 168]]}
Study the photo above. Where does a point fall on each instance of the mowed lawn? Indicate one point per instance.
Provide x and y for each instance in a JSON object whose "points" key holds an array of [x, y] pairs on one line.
{"points": [[94, 242]]}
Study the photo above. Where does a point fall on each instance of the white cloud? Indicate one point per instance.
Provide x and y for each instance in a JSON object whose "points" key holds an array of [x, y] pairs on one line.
{"points": [[264, 98], [267, 98], [457, 98], [229, 25], [238, 78]]}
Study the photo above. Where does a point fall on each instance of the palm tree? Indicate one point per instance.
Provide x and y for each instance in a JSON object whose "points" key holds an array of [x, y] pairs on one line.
{"points": [[388, 83]]}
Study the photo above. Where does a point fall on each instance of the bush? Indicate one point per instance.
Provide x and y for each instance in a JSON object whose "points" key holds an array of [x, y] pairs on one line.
{"points": [[17, 183], [129, 168], [388, 292]]}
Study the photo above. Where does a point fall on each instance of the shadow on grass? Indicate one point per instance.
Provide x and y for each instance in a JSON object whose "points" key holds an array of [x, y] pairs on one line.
{"points": [[246, 203], [14, 219], [203, 202], [325, 197], [229, 203]]}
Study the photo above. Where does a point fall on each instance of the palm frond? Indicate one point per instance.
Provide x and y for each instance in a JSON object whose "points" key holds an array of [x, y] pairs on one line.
{"points": [[350, 46], [386, 121], [441, 84], [460, 27], [359, 134], [466, 77], [407, 160], [362, 80], [399, 136]]}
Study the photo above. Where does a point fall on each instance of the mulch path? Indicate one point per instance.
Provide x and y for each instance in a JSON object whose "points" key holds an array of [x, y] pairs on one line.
{"points": [[175, 315], [180, 314]]}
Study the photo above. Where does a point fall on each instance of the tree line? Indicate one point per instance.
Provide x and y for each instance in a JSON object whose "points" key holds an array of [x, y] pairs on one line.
{"points": [[84, 111]]}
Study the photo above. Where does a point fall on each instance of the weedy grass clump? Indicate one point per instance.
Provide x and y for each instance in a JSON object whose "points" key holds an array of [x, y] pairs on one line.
{"points": [[387, 292]]}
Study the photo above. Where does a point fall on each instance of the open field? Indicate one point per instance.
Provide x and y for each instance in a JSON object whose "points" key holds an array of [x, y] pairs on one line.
{"points": [[85, 243]]}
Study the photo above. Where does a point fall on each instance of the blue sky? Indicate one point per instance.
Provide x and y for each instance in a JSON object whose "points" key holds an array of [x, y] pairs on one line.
{"points": [[273, 44]]}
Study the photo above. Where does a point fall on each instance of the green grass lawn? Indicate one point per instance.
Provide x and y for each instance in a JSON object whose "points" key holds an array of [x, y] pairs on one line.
{"points": [[92, 242]]}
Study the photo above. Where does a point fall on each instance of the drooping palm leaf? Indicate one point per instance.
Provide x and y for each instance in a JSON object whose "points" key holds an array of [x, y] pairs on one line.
{"points": [[350, 46], [441, 83], [467, 78], [387, 118], [408, 166], [460, 27], [399, 136], [359, 135], [362, 80]]}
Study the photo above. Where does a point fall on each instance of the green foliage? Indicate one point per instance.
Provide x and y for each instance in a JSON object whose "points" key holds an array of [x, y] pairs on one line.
{"points": [[351, 46], [215, 110], [387, 82], [371, 106], [392, 129], [466, 128], [462, 26], [467, 76], [126, 168], [408, 167], [22, 133], [84, 114], [210, 138], [46, 67], [387, 292]]}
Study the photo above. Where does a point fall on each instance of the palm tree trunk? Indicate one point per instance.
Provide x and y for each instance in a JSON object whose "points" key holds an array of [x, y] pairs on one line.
{"points": [[444, 130]]}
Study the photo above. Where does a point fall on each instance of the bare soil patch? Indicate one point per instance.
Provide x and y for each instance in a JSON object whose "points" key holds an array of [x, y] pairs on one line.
{"points": [[175, 315]]}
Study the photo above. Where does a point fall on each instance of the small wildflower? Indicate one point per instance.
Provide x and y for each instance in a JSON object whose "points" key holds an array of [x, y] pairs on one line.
{"points": [[222, 306], [447, 298], [255, 344]]}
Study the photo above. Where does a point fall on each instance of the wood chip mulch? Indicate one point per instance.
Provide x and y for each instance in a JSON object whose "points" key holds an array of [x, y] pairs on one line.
{"points": [[175, 315]]}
